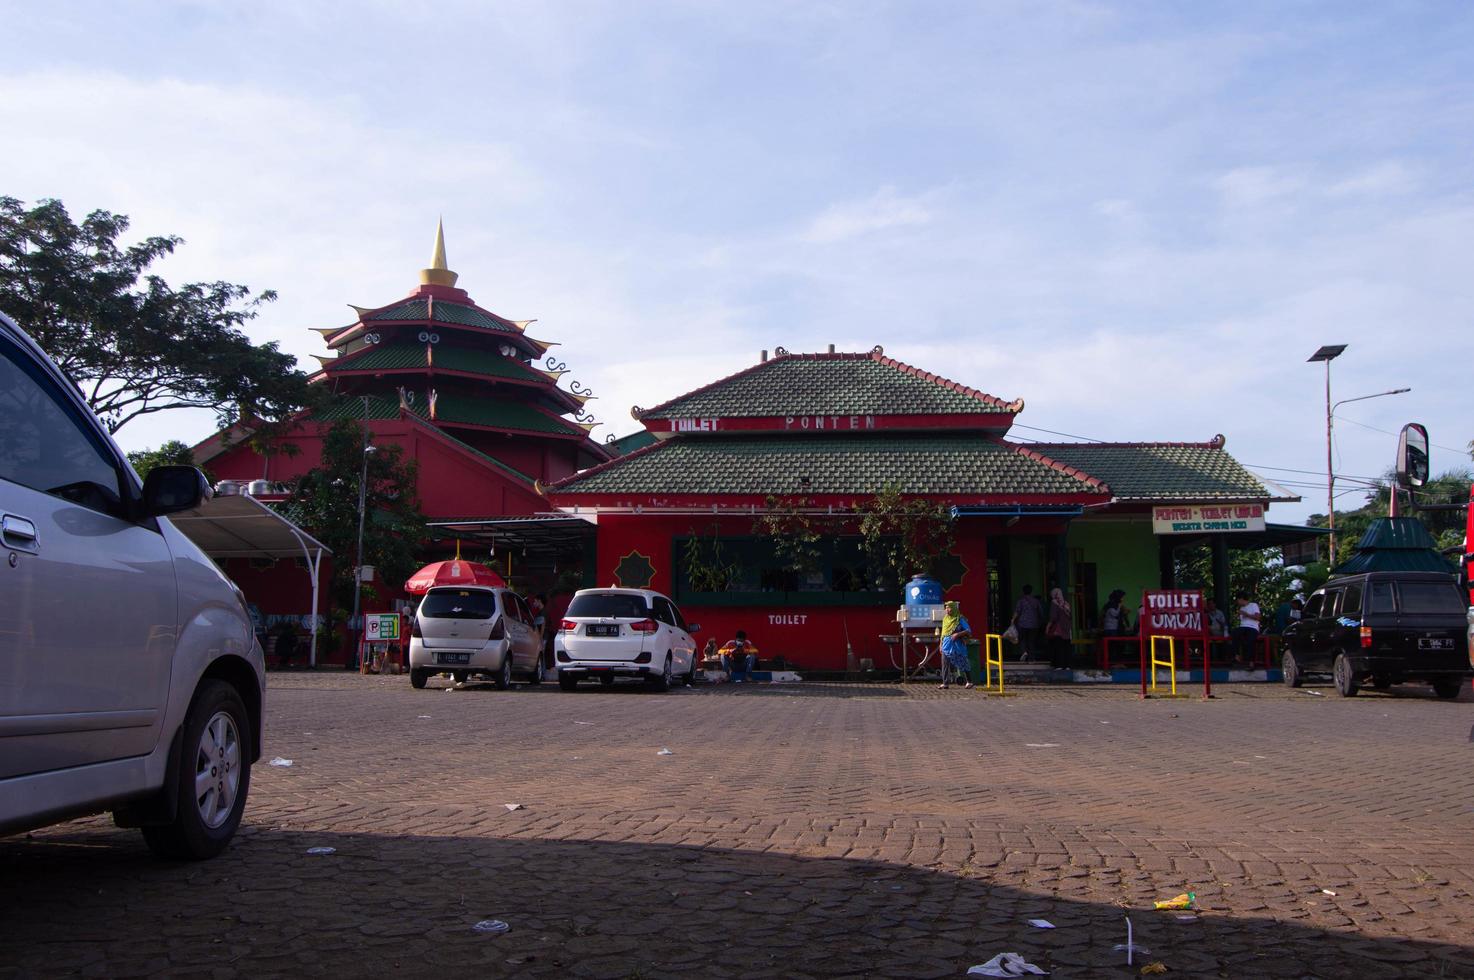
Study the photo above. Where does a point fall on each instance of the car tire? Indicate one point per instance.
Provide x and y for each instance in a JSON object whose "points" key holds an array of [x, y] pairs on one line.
{"points": [[662, 683], [215, 754], [567, 682], [1345, 676], [503, 679], [1290, 669], [417, 678], [691, 674], [536, 677], [1448, 688]]}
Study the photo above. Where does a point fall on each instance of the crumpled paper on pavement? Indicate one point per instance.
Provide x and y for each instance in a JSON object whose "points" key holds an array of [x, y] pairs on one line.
{"points": [[1006, 965]]}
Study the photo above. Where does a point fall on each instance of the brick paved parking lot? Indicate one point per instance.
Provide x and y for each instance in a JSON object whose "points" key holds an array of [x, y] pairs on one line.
{"points": [[793, 831]]}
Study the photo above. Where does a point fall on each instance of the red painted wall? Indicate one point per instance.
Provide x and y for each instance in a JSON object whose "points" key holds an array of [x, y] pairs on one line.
{"points": [[812, 638]]}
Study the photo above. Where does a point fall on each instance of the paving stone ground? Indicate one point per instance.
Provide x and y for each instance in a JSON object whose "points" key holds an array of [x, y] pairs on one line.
{"points": [[793, 831]]}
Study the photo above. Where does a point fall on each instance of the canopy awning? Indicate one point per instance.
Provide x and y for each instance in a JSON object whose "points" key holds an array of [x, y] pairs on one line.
{"points": [[240, 526], [549, 535]]}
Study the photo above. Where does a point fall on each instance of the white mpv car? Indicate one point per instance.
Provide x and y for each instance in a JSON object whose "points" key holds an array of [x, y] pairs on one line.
{"points": [[474, 630], [130, 679], [610, 633]]}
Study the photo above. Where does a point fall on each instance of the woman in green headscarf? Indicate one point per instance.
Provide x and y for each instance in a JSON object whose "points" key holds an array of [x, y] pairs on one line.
{"points": [[955, 631]]}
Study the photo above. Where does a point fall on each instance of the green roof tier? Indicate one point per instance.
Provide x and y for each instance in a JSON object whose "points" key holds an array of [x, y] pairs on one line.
{"points": [[831, 385], [1167, 471], [453, 409], [418, 309], [409, 356], [960, 464]]}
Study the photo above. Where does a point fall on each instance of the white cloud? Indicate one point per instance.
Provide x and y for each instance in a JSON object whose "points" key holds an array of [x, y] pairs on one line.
{"points": [[882, 210]]}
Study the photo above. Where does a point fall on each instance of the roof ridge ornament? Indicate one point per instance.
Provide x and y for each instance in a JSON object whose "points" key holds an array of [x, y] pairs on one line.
{"points": [[439, 273]]}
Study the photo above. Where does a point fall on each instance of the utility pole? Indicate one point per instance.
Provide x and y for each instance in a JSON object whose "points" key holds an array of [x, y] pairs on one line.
{"points": [[358, 554]]}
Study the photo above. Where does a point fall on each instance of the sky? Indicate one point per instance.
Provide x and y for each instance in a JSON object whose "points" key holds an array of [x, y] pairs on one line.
{"points": [[1141, 217]]}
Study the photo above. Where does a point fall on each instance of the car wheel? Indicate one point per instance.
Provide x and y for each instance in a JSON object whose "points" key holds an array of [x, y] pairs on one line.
{"points": [[567, 682], [212, 779], [1448, 688], [1381, 683], [663, 682], [1346, 684], [417, 678], [691, 674], [536, 677], [1290, 668], [503, 679]]}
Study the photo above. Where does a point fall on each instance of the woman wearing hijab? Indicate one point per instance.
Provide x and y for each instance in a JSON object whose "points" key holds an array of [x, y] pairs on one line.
{"points": [[1059, 630], [955, 632]]}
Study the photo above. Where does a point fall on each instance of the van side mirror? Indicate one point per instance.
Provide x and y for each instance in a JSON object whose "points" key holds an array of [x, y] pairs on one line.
{"points": [[170, 489], [1412, 456]]}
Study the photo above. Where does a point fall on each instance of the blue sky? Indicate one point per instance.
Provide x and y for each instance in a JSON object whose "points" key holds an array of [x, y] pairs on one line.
{"points": [[1141, 218]]}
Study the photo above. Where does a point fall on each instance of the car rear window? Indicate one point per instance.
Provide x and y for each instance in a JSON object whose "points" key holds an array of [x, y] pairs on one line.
{"points": [[1430, 597], [1379, 598], [609, 604], [459, 604]]}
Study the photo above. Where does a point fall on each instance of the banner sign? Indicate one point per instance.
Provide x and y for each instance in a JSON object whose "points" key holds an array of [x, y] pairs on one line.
{"points": [[1172, 612], [1197, 519]]}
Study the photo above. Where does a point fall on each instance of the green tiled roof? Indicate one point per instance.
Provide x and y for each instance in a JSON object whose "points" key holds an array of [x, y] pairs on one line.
{"points": [[495, 413], [1160, 471], [418, 309], [831, 384], [491, 364], [625, 445], [946, 464]]}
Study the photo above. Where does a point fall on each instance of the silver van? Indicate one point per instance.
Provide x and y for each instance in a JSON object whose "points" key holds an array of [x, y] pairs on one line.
{"points": [[130, 679], [474, 631]]}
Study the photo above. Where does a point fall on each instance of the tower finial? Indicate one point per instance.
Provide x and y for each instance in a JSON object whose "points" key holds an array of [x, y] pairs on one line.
{"points": [[439, 273]]}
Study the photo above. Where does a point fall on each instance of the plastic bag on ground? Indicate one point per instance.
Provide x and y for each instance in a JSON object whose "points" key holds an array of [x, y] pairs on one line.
{"points": [[1007, 965]]}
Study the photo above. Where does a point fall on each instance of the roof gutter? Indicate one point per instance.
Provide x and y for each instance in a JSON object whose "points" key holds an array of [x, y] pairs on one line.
{"points": [[990, 510]]}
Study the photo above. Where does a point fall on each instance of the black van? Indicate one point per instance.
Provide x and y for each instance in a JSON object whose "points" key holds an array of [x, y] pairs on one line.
{"points": [[1388, 627]]}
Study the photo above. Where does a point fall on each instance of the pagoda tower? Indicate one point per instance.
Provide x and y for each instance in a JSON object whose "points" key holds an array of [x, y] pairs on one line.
{"points": [[475, 376]]}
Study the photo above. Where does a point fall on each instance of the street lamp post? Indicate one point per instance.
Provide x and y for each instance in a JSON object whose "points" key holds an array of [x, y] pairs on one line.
{"points": [[1329, 353], [358, 554]]}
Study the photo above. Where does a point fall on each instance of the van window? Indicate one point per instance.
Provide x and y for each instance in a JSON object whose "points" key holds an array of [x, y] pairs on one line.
{"points": [[1430, 597], [1312, 608], [1351, 600], [1333, 601], [609, 604], [458, 604], [1379, 598]]}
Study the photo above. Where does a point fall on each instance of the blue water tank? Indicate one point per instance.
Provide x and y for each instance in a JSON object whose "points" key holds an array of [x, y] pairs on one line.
{"points": [[922, 591]]}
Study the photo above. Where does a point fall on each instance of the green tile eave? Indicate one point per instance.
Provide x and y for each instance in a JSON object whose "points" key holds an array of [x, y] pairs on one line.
{"points": [[444, 312], [1161, 472], [833, 465], [452, 409], [389, 357], [825, 386]]}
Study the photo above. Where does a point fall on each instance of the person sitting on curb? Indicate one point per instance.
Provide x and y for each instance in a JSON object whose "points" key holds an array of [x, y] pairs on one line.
{"points": [[741, 651], [955, 633]]}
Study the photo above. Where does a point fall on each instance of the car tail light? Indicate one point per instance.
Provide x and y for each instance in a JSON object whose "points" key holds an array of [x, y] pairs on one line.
{"points": [[567, 626], [414, 627], [644, 626], [498, 629], [1366, 637]]}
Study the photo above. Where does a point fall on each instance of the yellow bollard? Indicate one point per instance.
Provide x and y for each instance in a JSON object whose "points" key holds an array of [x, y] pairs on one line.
{"points": [[1170, 663], [991, 642]]}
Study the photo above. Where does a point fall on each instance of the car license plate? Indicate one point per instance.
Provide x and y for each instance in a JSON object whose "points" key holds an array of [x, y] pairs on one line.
{"points": [[1435, 643], [600, 629], [453, 658]]}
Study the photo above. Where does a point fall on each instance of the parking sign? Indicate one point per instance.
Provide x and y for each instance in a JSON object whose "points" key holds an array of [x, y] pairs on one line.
{"points": [[381, 627]]}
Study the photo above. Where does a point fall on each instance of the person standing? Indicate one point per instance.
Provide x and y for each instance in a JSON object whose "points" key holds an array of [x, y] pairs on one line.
{"points": [[955, 633], [1028, 616], [1060, 629], [1246, 634]]}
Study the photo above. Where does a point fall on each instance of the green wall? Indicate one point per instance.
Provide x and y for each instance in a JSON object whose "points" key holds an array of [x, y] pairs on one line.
{"points": [[1124, 553], [1026, 566]]}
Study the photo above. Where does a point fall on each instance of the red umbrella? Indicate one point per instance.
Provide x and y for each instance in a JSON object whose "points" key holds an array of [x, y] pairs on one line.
{"points": [[457, 571]]}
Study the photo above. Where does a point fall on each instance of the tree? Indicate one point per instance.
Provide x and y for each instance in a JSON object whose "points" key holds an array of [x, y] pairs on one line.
{"points": [[904, 536], [1446, 526], [130, 342], [325, 501], [171, 453]]}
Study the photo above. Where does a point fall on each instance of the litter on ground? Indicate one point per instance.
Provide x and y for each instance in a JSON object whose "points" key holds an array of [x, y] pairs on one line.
{"points": [[665, 752], [1183, 901], [1151, 968], [512, 806], [492, 926], [281, 763], [1041, 745], [1041, 923], [322, 850], [1006, 965]]}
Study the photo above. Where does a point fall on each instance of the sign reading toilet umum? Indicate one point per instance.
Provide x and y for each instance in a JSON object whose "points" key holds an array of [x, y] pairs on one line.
{"points": [[1208, 518]]}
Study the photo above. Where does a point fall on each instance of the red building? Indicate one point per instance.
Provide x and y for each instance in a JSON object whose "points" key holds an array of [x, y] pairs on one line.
{"points": [[460, 389], [825, 433]]}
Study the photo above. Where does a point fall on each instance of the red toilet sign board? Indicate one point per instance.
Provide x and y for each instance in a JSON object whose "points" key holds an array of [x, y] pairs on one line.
{"points": [[1173, 612]]}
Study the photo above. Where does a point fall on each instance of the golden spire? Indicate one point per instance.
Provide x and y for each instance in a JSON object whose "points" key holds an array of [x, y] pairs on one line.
{"points": [[438, 274]]}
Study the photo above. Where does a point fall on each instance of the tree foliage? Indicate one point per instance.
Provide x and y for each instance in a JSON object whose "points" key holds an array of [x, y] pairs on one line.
{"points": [[904, 536], [171, 453], [326, 503], [133, 344], [795, 530], [1446, 526]]}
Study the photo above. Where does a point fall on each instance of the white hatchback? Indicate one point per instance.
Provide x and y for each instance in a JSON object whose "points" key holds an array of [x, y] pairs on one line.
{"points": [[611, 633], [474, 631]]}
